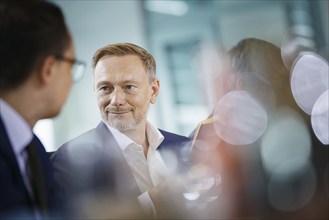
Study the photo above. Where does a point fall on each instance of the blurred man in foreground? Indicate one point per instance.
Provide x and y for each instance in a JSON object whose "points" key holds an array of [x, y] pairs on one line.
{"points": [[37, 56]]}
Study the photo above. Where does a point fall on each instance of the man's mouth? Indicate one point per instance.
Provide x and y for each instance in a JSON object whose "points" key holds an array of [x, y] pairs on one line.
{"points": [[118, 111]]}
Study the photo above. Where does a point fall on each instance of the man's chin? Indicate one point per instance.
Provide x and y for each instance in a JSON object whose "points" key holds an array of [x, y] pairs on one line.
{"points": [[52, 114], [123, 127]]}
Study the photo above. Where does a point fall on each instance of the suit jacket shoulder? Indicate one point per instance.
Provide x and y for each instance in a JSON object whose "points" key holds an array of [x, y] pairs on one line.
{"points": [[172, 140], [93, 162], [175, 147]]}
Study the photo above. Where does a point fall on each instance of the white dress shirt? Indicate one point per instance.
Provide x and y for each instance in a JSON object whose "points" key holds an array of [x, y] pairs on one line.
{"points": [[19, 134], [148, 172]]}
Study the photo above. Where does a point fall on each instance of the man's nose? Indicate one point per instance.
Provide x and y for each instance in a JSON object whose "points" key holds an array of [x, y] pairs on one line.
{"points": [[118, 98]]}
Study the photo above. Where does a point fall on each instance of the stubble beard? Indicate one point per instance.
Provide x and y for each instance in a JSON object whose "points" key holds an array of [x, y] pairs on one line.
{"points": [[122, 124]]}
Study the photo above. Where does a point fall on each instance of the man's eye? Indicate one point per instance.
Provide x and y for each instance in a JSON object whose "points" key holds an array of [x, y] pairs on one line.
{"points": [[104, 89], [130, 87]]}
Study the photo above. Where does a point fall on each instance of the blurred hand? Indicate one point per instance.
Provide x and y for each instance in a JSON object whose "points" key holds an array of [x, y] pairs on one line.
{"points": [[168, 199]]}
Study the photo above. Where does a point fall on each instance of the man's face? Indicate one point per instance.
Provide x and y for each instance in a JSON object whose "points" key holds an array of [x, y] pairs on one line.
{"points": [[123, 91]]}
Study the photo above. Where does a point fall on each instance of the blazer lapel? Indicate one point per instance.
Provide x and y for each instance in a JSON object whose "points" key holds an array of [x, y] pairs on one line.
{"points": [[125, 183], [8, 155]]}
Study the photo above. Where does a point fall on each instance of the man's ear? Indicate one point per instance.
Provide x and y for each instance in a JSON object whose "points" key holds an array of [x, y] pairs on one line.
{"points": [[155, 86], [47, 69]]}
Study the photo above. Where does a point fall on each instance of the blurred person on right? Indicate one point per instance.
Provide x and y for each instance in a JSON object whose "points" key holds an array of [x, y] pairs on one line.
{"points": [[271, 164]]}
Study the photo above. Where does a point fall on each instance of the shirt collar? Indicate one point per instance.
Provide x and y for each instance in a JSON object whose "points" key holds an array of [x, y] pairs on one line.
{"points": [[18, 130], [153, 134]]}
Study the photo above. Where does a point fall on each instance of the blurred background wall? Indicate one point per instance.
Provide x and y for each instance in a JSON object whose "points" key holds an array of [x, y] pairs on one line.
{"points": [[173, 31]]}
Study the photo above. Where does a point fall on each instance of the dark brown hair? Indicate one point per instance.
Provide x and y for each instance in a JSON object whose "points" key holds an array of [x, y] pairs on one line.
{"points": [[29, 32]]}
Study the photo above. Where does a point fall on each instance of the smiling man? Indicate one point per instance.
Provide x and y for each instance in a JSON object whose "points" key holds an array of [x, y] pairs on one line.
{"points": [[124, 92], [123, 155]]}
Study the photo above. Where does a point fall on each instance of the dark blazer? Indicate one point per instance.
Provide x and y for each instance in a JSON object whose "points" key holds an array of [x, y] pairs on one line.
{"points": [[94, 162], [14, 197]]}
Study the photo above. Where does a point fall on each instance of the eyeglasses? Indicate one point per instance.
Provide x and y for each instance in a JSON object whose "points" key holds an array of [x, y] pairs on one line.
{"points": [[78, 68]]}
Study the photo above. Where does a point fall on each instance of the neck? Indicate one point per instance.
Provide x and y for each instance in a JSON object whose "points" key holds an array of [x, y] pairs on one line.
{"points": [[25, 103], [139, 136]]}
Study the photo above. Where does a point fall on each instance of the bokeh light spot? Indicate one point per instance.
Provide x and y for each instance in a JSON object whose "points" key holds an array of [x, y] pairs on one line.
{"points": [[309, 79], [320, 118], [241, 120], [287, 139]]}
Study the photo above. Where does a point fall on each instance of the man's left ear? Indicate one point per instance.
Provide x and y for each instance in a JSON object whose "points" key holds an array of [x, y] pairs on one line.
{"points": [[155, 86], [47, 69]]}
